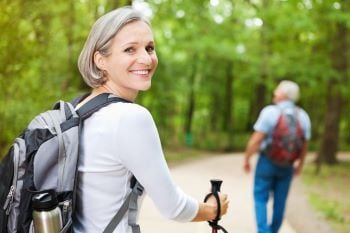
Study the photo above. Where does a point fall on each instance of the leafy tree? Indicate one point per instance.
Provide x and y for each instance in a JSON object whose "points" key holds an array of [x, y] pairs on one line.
{"points": [[219, 63]]}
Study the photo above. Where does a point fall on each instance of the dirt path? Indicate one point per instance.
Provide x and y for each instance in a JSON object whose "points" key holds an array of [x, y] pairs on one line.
{"points": [[193, 177]]}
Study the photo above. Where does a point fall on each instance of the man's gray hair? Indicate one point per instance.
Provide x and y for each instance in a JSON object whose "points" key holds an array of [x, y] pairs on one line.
{"points": [[290, 89], [100, 39]]}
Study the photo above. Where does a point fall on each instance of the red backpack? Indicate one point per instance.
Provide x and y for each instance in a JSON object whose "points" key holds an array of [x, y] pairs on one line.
{"points": [[287, 139]]}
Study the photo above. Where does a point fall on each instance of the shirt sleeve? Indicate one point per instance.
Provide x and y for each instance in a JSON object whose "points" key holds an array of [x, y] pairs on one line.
{"points": [[305, 119], [266, 120], [141, 153]]}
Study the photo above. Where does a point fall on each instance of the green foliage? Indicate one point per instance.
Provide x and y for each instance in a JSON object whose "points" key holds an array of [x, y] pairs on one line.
{"points": [[329, 193], [330, 209], [213, 54]]}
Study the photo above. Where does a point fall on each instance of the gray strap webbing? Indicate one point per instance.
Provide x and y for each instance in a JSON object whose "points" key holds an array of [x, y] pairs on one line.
{"points": [[61, 149], [129, 204], [71, 109], [133, 208]]}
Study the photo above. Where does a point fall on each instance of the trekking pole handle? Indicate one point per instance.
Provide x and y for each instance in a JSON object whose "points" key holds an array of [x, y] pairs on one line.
{"points": [[215, 185], [215, 189]]}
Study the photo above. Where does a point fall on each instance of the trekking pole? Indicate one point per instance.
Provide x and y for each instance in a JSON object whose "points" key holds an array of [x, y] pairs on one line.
{"points": [[215, 188]]}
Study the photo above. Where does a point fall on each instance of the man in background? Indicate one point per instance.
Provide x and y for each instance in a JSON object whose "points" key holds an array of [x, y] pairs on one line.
{"points": [[280, 137]]}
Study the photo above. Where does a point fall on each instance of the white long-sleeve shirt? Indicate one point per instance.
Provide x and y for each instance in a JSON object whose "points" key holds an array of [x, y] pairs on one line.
{"points": [[117, 141]]}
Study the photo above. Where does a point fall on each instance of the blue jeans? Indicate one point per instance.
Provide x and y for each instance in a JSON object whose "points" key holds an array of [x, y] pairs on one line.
{"points": [[275, 180]]}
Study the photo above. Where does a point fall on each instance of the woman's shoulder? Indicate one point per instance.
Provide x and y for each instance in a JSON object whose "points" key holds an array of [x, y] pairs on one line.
{"points": [[130, 112], [127, 107]]}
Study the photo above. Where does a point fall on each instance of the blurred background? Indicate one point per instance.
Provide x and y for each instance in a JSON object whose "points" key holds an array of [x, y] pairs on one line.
{"points": [[219, 62]]}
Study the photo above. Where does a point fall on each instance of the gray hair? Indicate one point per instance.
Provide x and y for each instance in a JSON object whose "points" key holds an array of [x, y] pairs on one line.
{"points": [[100, 39], [290, 89]]}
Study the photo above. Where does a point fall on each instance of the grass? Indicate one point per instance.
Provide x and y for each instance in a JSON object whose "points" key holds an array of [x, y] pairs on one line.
{"points": [[329, 193], [175, 156]]}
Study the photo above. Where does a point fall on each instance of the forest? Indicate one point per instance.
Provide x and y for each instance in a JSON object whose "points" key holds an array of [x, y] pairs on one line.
{"points": [[219, 62]]}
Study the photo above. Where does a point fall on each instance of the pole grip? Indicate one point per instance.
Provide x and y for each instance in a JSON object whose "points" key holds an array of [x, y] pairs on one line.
{"points": [[215, 188], [215, 185]]}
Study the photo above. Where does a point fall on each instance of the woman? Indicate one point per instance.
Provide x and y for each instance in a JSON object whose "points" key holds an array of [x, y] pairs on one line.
{"points": [[121, 139]]}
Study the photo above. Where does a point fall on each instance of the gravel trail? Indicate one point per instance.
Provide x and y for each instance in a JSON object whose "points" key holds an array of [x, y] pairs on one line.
{"points": [[193, 177]]}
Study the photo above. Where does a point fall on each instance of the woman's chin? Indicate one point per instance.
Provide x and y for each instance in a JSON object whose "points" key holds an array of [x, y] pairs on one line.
{"points": [[146, 86]]}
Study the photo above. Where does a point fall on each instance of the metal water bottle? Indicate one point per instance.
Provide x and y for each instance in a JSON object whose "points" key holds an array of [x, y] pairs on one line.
{"points": [[46, 214]]}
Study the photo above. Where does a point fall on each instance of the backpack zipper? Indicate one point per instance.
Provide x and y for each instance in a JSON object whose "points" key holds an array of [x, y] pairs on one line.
{"points": [[12, 192], [9, 200], [66, 206]]}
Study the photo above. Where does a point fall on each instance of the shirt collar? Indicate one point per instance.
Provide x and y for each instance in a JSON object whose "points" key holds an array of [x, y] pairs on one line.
{"points": [[286, 104]]}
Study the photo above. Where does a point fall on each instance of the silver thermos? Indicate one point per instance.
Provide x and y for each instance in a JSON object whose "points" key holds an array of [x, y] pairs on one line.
{"points": [[46, 215]]}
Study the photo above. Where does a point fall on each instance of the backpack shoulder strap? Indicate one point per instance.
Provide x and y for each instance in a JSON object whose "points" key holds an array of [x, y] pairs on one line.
{"points": [[130, 205], [97, 103], [282, 111]]}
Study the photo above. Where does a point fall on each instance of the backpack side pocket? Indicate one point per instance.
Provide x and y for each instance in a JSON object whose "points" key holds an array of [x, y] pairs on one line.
{"points": [[12, 170]]}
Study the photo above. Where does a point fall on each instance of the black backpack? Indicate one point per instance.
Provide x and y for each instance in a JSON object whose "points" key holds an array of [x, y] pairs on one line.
{"points": [[44, 158]]}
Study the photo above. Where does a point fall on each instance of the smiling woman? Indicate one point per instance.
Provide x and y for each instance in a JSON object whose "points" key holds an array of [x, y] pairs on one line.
{"points": [[121, 141], [131, 62], [124, 63]]}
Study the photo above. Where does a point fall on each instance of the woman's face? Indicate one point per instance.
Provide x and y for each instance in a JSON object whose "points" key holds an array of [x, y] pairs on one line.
{"points": [[132, 60]]}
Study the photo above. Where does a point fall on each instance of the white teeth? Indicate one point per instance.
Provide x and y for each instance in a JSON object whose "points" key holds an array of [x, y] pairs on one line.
{"points": [[141, 72]]}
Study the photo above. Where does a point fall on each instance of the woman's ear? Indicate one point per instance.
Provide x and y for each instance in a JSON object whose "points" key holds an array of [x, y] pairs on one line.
{"points": [[99, 60]]}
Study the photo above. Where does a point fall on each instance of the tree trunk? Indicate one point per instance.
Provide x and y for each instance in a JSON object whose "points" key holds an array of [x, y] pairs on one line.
{"points": [[228, 106], [330, 139], [190, 108], [214, 109], [228, 101], [259, 95], [260, 98], [329, 143]]}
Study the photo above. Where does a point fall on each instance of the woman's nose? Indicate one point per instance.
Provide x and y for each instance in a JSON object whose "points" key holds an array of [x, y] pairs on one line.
{"points": [[144, 58]]}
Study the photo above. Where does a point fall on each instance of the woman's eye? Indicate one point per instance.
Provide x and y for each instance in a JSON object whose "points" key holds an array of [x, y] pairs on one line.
{"points": [[129, 50], [150, 48]]}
